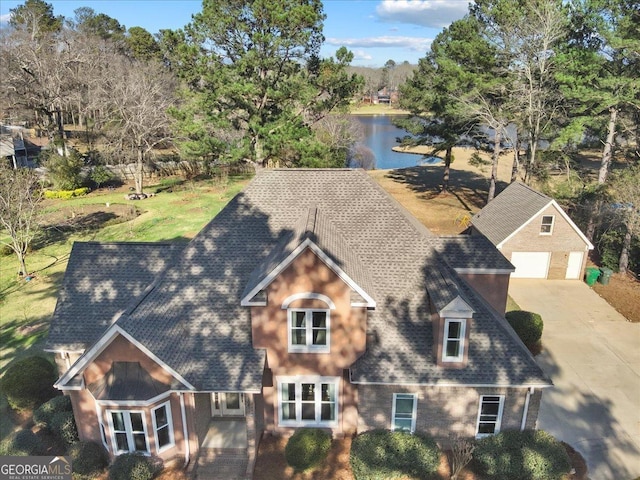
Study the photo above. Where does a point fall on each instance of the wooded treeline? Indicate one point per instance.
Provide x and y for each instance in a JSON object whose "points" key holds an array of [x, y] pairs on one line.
{"points": [[548, 78], [534, 80]]}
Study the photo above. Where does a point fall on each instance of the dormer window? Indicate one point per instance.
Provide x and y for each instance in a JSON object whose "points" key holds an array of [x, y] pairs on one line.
{"points": [[546, 227], [309, 330], [454, 331]]}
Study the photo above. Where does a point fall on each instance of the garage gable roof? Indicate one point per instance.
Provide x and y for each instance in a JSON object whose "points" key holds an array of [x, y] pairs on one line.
{"points": [[512, 210]]}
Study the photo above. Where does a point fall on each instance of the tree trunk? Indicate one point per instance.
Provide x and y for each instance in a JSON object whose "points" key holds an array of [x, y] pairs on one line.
{"points": [[516, 159], [259, 151], [623, 263], [494, 164], [23, 265], [139, 171], [608, 146], [591, 224], [447, 165]]}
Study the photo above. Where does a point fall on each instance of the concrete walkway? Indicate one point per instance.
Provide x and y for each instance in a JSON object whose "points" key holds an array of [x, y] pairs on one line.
{"points": [[592, 354]]}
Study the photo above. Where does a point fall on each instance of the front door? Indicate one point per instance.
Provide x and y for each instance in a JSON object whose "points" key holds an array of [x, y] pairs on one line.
{"points": [[227, 404]]}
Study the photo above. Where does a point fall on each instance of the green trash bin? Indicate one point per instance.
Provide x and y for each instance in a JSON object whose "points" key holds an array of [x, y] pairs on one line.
{"points": [[606, 275], [592, 275]]}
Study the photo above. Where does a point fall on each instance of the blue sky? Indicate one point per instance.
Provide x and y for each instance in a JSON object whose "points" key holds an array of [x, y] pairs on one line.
{"points": [[374, 30]]}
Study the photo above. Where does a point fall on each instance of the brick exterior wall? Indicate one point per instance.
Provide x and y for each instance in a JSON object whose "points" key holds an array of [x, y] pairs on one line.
{"points": [[308, 274], [86, 409], [492, 287], [563, 240], [444, 411]]}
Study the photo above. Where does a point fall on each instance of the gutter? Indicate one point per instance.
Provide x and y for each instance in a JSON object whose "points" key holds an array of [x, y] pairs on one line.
{"points": [[185, 431], [525, 412]]}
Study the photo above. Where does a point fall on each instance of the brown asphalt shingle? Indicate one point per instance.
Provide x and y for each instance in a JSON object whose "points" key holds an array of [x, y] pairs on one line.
{"points": [[192, 320]]}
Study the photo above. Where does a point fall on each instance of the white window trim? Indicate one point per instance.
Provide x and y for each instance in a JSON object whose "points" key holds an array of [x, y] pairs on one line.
{"points": [[553, 222], [167, 406], [445, 339], [128, 430], [414, 413], [299, 380], [309, 347], [498, 419]]}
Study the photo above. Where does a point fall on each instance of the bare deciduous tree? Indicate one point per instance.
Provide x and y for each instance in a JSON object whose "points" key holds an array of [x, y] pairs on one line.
{"points": [[20, 197], [135, 99]]}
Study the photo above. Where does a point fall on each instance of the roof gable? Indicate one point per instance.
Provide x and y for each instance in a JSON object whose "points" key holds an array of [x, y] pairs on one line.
{"points": [[514, 208], [97, 348], [334, 253]]}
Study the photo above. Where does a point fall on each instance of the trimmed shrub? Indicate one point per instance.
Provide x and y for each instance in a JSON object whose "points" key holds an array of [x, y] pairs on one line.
{"points": [[22, 443], [307, 447], [66, 194], [63, 426], [88, 458], [43, 414], [527, 325], [527, 455], [29, 382], [134, 466], [382, 455]]}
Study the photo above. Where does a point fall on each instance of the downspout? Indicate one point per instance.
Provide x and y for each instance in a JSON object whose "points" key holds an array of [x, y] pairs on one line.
{"points": [[525, 412], [185, 431]]}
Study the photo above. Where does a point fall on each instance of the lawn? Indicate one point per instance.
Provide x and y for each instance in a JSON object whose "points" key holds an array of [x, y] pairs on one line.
{"points": [[176, 213]]}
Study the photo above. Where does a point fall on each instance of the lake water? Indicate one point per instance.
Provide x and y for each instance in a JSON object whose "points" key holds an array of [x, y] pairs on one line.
{"points": [[380, 137]]}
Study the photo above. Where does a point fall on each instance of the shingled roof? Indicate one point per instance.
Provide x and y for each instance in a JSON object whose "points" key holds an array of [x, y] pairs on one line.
{"points": [[471, 253], [101, 279], [191, 317], [508, 211]]}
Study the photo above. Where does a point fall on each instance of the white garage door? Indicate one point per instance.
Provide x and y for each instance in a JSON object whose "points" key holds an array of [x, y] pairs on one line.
{"points": [[530, 264]]}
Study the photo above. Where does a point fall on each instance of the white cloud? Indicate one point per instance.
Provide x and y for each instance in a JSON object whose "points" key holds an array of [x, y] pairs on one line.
{"points": [[5, 18], [361, 55], [419, 44], [426, 13]]}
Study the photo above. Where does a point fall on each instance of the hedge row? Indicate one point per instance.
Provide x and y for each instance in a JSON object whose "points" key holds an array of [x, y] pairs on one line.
{"points": [[66, 194]]}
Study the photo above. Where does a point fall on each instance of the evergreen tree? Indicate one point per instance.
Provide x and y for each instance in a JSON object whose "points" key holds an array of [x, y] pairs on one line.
{"points": [[252, 67]]}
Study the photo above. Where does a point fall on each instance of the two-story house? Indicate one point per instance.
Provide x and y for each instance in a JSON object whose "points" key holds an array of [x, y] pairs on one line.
{"points": [[312, 299]]}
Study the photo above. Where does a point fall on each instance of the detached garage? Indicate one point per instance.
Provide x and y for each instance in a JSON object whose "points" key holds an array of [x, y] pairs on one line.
{"points": [[534, 233]]}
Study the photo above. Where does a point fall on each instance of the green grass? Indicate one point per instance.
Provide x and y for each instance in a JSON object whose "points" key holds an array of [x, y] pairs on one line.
{"points": [[511, 304], [177, 213]]}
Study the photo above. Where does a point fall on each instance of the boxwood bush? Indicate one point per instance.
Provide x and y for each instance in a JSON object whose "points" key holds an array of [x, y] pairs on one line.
{"points": [[22, 443], [382, 455], [134, 466], [28, 383], [307, 447], [527, 325], [526, 455], [88, 459], [43, 414], [63, 426]]}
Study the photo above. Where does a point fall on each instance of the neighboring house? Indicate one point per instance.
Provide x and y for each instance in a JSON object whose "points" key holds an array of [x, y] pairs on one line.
{"points": [[534, 233], [312, 299]]}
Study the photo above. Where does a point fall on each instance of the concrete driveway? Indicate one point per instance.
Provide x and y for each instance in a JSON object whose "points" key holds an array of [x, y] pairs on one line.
{"points": [[592, 354]]}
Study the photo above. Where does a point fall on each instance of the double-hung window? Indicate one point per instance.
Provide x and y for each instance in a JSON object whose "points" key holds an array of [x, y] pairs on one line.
{"points": [[546, 227], [404, 412], [308, 401], [309, 330], [454, 331], [129, 433], [162, 426], [489, 415]]}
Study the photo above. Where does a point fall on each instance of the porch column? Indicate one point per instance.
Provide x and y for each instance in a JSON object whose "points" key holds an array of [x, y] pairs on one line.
{"points": [[252, 443]]}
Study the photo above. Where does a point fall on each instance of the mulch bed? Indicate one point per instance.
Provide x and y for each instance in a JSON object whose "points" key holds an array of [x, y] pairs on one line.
{"points": [[271, 463]]}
